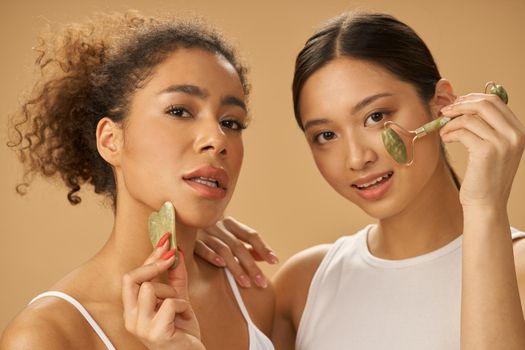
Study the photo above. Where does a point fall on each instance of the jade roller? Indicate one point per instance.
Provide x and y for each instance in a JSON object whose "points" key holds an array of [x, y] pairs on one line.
{"points": [[159, 223], [395, 145]]}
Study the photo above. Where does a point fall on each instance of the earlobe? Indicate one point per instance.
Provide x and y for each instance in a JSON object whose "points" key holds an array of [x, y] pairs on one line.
{"points": [[443, 95], [109, 140]]}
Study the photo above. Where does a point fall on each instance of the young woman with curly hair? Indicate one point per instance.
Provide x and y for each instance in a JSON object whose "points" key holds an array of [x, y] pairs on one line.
{"points": [[145, 111]]}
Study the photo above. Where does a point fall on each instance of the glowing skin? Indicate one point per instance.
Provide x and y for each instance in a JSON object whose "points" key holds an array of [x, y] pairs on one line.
{"points": [[344, 134], [188, 118]]}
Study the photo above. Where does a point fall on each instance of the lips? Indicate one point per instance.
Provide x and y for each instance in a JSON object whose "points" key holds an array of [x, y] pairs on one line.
{"points": [[373, 187], [372, 180], [208, 181]]}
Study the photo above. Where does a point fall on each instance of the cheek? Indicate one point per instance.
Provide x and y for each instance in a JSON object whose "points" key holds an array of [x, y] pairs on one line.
{"points": [[329, 164], [237, 156]]}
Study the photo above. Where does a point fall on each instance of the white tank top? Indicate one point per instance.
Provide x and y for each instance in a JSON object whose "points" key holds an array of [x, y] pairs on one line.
{"points": [[358, 301], [257, 339]]}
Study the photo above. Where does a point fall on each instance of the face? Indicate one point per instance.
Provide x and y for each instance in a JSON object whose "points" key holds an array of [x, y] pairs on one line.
{"points": [[182, 137], [343, 108]]}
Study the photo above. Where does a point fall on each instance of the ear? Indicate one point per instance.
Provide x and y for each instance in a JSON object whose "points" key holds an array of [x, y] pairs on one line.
{"points": [[443, 96], [109, 140]]}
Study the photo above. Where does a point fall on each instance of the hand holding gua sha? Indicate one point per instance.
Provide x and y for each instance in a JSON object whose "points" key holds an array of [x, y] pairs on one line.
{"points": [[395, 145], [161, 222]]}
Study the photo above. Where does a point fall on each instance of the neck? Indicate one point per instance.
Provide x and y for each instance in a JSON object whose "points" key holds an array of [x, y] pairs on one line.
{"points": [[432, 220], [129, 245]]}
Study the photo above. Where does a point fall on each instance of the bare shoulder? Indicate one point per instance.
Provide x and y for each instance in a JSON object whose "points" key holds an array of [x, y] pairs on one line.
{"points": [[48, 323], [261, 303], [293, 280], [299, 270]]}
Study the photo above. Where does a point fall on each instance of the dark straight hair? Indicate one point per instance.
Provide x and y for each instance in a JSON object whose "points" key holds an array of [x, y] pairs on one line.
{"points": [[374, 37]]}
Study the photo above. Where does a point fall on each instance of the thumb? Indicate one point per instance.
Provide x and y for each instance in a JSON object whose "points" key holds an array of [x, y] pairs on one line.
{"points": [[178, 278]]}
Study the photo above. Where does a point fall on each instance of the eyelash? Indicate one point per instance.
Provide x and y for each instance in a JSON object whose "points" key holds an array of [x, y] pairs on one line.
{"points": [[238, 125], [171, 110], [383, 114], [324, 133], [231, 124]]}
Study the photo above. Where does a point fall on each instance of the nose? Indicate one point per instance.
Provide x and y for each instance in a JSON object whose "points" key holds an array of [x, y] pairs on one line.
{"points": [[359, 153], [211, 139]]}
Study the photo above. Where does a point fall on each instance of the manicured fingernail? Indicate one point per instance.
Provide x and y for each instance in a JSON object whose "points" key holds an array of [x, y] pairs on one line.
{"points": [[169, 254], [261, 281], [219, 261], [163, 239], [245, 281], [272, 258]]}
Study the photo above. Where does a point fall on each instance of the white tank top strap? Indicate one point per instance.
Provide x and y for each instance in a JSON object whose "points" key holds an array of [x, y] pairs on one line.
{"points": [[238, 297], [258, 340], [516, 234], [82, 310]]}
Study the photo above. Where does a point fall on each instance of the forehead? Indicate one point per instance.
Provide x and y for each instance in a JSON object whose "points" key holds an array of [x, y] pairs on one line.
{"points": [[354, 75], [344, 82], [198, 67]]}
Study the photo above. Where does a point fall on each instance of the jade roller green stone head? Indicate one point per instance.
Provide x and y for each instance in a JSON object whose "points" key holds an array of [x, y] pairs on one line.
{"points": [[159, 223], [397, 148], [498, 90]]}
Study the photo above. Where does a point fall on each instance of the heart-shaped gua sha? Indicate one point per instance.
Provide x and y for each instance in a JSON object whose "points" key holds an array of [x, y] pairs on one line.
{"points": [[159, 223]]}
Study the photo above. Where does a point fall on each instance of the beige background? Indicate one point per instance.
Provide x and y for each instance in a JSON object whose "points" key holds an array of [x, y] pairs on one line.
{"points": [[280, 192]]}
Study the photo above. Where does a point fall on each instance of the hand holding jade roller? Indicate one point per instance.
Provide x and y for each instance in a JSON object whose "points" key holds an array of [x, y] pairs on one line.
{"points": [[162, 222], [395, 145]]}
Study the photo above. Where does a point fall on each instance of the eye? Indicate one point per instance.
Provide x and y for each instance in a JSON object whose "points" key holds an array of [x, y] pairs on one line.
{"points": [[375, 118], [232, 124], [179, 112], [324, 137]]}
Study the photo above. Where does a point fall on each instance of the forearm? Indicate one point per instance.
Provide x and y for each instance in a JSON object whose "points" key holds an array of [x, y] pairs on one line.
{"points": [[491, 313]]}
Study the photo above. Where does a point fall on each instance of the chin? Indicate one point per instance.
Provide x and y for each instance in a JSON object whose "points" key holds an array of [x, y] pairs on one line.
{"points": [[381, 209], [197, 217]]}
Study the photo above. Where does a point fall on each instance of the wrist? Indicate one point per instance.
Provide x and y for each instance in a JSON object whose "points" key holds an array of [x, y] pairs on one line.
{"points": [[481, 211], [485, 217]]}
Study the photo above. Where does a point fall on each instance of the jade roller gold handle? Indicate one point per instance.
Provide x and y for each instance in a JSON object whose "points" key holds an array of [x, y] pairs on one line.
{"points": [[395, 145]]}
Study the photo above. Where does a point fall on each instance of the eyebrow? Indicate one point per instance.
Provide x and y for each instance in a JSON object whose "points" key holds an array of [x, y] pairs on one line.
{"points": [[362, 104], [367, 100], [314, 122], [197, 91], [233, 101], [186, 89]]}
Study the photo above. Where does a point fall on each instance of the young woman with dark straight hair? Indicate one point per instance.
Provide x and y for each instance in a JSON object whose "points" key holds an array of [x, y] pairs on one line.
{"points": [[442, 268]]}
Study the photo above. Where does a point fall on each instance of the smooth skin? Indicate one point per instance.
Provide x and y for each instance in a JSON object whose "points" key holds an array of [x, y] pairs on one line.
{"points": [[188, 115], [343, 132]]}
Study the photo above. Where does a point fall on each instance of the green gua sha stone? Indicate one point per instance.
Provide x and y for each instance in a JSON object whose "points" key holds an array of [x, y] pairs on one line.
{"points": [[499, 91], [394, 145], [161, 222]]}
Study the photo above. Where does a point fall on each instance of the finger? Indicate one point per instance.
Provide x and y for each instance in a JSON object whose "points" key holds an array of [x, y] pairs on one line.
{"points": [[163, 324], [146, 304], [249, 235], [471, 141], [490, 108], [178, 278], [132, 280], [162, 246], [474, 124], [243, 255], [205, 252], [220, 246]]}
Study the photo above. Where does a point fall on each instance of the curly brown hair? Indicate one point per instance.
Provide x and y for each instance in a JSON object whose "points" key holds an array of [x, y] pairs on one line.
{"points": [[87, 72]]}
